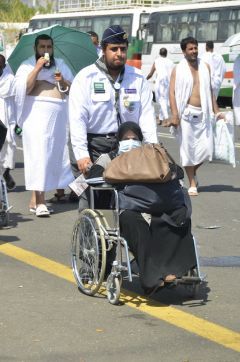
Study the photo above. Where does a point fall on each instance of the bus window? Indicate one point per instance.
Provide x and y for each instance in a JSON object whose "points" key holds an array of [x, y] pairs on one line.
{"points": [[192, 17], [126, 21], [52, 22], [214, 16], [233, 15], [185, 30], [226, 30], [182, 18], [70, 23], [225, 14], [167, 33], [143, 20], [43, 24], [203, 16], [207, 31], [163, 19], [118, 20], [99, 24]]}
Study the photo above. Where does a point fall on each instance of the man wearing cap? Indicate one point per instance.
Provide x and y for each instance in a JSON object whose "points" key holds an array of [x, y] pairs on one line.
{"points": [[104, 95]]}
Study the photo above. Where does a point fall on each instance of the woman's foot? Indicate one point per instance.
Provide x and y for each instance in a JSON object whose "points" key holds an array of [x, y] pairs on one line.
{"points": [[170, 278]]}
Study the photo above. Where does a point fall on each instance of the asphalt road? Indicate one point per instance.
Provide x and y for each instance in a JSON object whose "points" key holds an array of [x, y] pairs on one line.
{"points": [[43, 316]]}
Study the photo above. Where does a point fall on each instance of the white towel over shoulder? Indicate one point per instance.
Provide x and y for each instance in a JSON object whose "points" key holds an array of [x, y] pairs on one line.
{"points": [[194, 134]]}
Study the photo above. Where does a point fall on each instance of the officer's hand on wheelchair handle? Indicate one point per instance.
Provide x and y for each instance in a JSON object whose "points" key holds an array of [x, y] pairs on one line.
{"points": [[84, 164]]}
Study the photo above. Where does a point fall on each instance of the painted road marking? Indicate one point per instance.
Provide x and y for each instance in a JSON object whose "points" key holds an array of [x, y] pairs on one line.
{"points": [[186, 321], [166, 135]]}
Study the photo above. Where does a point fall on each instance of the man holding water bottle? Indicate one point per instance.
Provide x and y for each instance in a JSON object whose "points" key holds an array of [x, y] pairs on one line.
{"points": [[42, 84]]}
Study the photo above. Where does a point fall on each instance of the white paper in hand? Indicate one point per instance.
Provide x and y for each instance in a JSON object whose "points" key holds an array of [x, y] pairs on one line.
{"points": [[79, 185]]}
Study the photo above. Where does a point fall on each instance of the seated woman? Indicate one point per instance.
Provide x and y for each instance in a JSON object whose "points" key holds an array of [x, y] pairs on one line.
{"points": [[161, 242]]}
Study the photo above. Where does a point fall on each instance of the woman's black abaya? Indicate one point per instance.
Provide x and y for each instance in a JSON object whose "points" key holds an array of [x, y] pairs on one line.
{"points": [[159, 248]]}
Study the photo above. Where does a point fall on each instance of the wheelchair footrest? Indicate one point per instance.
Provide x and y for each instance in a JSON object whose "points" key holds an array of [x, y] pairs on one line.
{"points": [[189, 279]]}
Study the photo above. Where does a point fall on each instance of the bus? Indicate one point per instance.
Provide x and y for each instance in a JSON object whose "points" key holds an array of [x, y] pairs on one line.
{"points": [[214, 21], [131, 20]]}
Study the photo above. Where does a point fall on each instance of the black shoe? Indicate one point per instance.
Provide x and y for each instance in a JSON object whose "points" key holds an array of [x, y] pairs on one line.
{"points": [[10, 183]]}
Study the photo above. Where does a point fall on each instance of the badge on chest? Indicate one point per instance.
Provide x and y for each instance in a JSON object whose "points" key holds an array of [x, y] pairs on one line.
{"points": [[100, 92], [130, 99]]}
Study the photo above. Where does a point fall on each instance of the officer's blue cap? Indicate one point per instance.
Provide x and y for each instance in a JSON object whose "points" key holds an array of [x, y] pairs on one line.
{"points": [[114, 35]]}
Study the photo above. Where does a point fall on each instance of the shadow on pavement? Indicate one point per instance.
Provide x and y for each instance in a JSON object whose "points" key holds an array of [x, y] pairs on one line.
{"points": [[219, 188], [15, 218], [169, 295], [8, 239]]}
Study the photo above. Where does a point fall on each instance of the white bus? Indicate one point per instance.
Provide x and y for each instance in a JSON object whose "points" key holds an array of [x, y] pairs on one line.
{"points": [[214, 21], [131, 20]]}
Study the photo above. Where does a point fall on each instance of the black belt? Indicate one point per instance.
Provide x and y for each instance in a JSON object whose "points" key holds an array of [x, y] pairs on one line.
{"points": [[108, 135]]}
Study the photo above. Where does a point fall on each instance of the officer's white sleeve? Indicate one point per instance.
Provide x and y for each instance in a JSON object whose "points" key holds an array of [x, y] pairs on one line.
{"points": [[147, 120], [78, 116]]}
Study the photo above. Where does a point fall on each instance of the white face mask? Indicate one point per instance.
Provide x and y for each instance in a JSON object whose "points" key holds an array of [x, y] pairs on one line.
{"points": [[127, 145]]}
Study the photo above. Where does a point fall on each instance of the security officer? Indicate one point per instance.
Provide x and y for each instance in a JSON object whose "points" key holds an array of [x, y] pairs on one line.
{"points": [[104, 95]]}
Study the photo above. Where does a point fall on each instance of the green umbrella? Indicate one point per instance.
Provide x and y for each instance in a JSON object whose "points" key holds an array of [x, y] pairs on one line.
{"points": [[73, 46]]}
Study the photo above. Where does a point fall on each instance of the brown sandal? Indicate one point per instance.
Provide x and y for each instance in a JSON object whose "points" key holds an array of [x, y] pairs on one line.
{"points": [[58, 199]]}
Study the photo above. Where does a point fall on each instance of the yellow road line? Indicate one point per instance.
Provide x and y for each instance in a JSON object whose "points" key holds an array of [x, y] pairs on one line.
{"points": [[38, 261], [174, 316]]}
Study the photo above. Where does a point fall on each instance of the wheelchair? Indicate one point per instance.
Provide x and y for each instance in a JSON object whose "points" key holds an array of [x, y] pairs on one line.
{"points": [[93, 237], [4, 205]]}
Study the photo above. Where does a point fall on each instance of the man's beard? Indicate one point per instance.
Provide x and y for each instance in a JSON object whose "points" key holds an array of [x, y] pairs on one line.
{"points": [[192, 60], [114, 67], [51, 61]]}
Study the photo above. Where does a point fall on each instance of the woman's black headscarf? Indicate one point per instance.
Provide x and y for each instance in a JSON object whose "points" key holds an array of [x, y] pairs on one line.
{"points": [[129, 126]]}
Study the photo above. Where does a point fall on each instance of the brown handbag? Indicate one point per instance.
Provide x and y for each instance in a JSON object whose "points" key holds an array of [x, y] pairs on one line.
{"points": [[148, 163]]}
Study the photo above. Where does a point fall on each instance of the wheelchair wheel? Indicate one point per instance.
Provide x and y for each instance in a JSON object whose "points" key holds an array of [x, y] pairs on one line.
{"points": [[88, 252], [113, 288]]}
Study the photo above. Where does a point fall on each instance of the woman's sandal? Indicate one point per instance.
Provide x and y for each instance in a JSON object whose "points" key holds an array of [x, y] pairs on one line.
{"points": [[42, 210]]}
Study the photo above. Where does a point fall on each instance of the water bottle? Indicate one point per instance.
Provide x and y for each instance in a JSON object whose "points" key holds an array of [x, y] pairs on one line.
{"points": [[47, 57]]}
